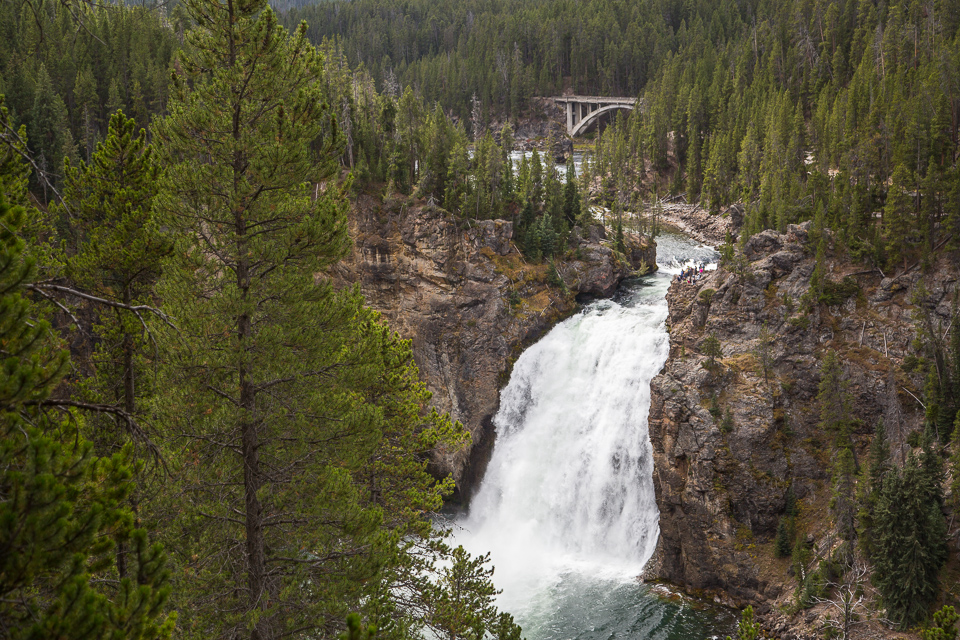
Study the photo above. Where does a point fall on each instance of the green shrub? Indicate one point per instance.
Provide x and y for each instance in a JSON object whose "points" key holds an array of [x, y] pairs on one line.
{"points": [[714, 409], [835, 293], [783, 544], [726, 425]]}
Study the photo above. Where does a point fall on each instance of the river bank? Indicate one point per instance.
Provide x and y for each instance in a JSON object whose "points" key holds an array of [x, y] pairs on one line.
{"points": [[698, 223]]}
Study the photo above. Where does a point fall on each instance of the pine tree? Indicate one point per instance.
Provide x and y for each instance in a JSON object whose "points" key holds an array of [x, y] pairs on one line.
{"points": [[548, 237], [536, 186], [464, 595], [897, 216], [619, 243], [458, 180], [88, 105], [869, 487], [747, 629], [782, 543], [251, 238], [842, 504], [711, 348], [764, 353], [944, 625], [62, 506], [49, 133], [571, 195], [118, 251], [298, 411], [834, 399], [117, 259], [909, 545]]}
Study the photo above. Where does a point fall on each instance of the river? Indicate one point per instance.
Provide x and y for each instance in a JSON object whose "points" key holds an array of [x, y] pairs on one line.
{"points": [[567, 507]]}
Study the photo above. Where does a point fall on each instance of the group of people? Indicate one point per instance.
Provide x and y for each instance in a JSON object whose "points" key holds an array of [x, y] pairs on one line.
{"points": [[691, 273]]}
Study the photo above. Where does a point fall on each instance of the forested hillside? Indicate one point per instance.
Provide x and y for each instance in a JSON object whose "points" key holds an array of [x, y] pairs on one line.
{"points": [[64, 72], [505, 51], [203, 438], [848, 109], [847, 112]]}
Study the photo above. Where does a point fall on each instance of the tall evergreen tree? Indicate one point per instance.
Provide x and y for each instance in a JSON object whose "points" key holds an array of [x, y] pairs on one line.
{"points": [[62, 507], [834, 399], [117, 254], [869, 487], [909, 545], [50, 135], [571, 195], [298, 412], [842, 504], [247, 109]]}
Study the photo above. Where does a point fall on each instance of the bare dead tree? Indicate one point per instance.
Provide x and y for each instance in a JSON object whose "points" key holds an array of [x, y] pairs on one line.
{"points": [[851, 604], [476, 118], [893, 419]]}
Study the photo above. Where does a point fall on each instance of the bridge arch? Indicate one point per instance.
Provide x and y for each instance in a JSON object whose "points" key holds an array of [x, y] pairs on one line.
{"points": [[593, 116]]}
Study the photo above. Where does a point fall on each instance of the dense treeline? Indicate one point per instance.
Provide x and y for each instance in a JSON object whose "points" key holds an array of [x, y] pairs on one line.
{"points": [[120, 58], [64, 72], [843, 112], [504, 51], [230, 447], [401, 145]]}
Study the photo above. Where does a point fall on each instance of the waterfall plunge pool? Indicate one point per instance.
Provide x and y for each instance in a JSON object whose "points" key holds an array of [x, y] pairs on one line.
{"points": [[566, 508]]}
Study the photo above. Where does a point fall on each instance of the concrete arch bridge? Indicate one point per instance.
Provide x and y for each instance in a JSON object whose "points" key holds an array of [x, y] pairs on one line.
{"points": [[585, 111]]}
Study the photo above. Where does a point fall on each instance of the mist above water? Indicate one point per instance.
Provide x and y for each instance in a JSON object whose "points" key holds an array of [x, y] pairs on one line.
{"points": [[567, 507]]}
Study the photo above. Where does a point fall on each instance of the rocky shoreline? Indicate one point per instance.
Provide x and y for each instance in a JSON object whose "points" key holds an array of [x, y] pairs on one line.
{"points": [[699, 223]]}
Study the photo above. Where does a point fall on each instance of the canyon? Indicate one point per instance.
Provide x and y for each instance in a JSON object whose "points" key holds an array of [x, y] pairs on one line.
{"points": [[468, 301], [470, 304]]}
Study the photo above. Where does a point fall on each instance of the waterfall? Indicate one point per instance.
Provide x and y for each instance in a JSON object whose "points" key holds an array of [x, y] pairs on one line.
{"points": [[567, 505], [572, 473]]}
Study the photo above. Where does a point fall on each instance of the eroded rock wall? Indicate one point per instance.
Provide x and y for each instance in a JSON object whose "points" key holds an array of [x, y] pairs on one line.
{"points": [[721, 484], [469, 303]]}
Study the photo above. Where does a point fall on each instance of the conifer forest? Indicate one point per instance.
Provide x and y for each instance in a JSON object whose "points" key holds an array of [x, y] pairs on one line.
{"points": [[206, 434]]}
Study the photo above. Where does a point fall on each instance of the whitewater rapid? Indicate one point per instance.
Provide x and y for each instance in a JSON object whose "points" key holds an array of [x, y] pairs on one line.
{"points": [[567, 508]]}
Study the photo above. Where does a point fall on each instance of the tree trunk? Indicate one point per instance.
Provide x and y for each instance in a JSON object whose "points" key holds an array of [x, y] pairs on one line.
{"points": [[129, 405], [256, 560]]}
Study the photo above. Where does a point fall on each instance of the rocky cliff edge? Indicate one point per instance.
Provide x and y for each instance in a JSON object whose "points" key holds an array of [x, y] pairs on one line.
{"points": [[729, 439], [470, 303]]}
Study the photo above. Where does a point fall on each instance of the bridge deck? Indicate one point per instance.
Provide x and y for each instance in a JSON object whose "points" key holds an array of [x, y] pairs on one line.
{"points": [[594, 99]]}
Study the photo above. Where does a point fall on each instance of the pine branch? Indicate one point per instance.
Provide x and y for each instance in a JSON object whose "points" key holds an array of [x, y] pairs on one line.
{"points": [[40, 287], [137, 432]]}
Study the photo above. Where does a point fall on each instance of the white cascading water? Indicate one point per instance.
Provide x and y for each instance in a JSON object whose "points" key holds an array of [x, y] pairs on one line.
{"points": [[567, 506]]}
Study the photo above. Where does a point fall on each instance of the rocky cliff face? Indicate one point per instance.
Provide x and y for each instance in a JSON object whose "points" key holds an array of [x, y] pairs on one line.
{"points": [[465, 297], [730, 439]]}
